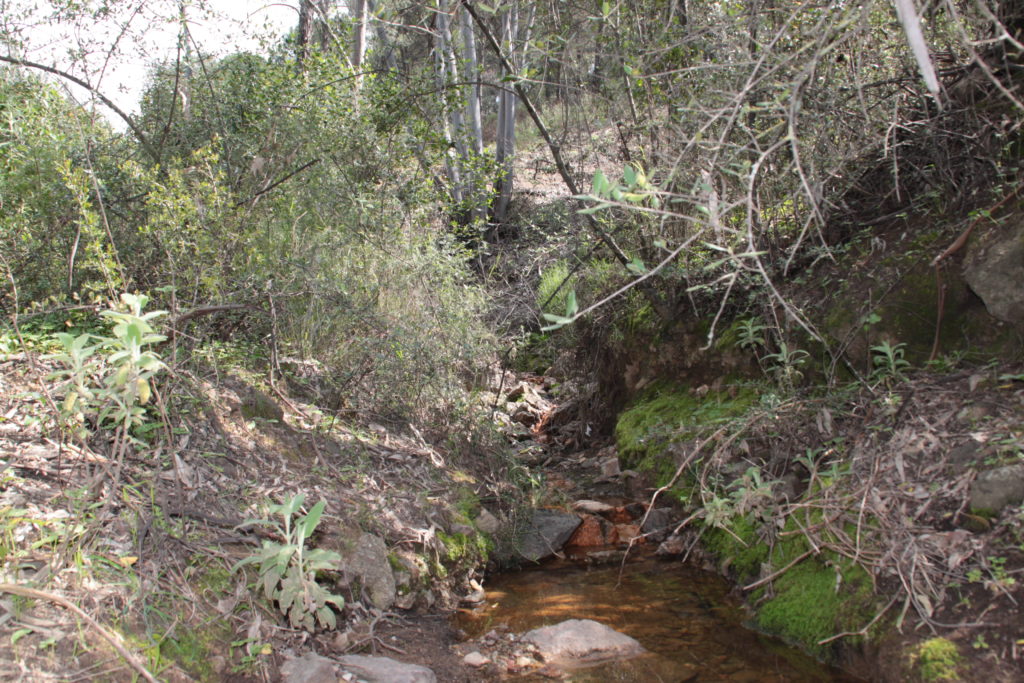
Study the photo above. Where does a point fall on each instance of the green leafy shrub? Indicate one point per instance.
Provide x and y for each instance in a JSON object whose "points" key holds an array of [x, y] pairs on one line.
{"points": [[108, 379], [287, 571]]}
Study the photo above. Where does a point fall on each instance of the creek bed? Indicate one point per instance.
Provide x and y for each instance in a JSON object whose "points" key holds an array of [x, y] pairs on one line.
{"points": [[685, 617]]}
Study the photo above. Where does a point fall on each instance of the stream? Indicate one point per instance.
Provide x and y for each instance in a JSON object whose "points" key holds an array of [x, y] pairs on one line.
{"points": [[685, 618]]}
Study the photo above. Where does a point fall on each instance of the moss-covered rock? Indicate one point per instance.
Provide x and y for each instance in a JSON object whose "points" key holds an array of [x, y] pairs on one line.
{"points": [[936, 659], [670, 414]]}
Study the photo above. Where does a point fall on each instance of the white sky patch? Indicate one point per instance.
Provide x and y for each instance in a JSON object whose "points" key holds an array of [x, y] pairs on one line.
{"points": [[114, 53]]}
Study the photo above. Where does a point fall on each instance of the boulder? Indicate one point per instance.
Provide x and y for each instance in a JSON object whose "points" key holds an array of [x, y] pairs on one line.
{"points": [[996, 488], [487, 522], [385, 670], [581, 642], [365, 559], [547, 533], [593, 532], [309, 668], [994, 270], [658, 524]]}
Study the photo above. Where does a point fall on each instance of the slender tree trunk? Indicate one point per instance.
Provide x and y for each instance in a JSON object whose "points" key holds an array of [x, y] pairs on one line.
{"points": [[473, 76], [304, 32], [445, 61], [506, 138], [359, 10]]}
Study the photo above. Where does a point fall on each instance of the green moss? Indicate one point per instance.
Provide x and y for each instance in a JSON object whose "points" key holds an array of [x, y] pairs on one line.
{"points": [[465, 549], [814, 600], [936, 660], [193, 649], [743, 550], [669, 414]]}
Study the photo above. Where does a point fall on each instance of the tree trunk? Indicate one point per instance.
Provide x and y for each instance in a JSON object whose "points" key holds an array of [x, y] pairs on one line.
{"points": [[359, 39], [451, 117], [506, 138]]}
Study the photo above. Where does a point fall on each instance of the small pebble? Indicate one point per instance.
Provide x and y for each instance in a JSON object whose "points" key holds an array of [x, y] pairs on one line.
{"points": [[475, 659]]}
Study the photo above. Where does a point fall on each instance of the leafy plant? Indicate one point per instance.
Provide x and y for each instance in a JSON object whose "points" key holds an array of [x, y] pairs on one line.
{"points": [[109, 378], [889, 363], [786, 364], [749, 334], [288, 570]]}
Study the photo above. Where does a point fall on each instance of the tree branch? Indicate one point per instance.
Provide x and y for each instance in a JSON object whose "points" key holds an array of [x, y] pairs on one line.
{"points": [[129, 121]]}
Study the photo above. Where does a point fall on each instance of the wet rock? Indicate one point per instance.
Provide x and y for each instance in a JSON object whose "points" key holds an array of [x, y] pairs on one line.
{"points": [[487, 522], [995, 489], [994, 270], [619, 515], [476, 660], [658, 524], [627, 532], [593, 532], [309, 668], [580, 642], [672, 546], [386, 670], [365, 559], [548, 532]]}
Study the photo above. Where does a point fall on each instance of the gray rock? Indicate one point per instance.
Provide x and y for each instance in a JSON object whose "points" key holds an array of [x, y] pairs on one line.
{"points": [[658, 524], [994, 269], [476, 660], [995, 489], [309, 668], [386, 670], [672, 546], [593, 507], [366, 559], [581, 642], [487, 522], [548, 532]]}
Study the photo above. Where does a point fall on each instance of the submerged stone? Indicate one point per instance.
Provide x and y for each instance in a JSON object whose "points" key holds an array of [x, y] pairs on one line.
{"points": [[579, 642]]}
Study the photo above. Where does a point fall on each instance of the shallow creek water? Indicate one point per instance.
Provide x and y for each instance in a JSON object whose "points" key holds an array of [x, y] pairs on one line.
{"points": [[684, 616]]}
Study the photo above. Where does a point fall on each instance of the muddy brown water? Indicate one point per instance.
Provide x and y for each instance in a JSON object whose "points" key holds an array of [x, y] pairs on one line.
{"points": [[685, 617]]}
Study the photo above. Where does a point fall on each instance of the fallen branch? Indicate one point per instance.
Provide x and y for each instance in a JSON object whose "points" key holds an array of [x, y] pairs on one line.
{"points": [[67, 604]]}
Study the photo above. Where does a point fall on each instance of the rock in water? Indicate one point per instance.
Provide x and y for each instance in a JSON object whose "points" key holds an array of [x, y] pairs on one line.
{"points": [[548, 532], [581, 642], [386, 670]]}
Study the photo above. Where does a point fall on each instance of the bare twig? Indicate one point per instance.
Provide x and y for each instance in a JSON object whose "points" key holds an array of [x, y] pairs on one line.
{"points": [[114, 641]]}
